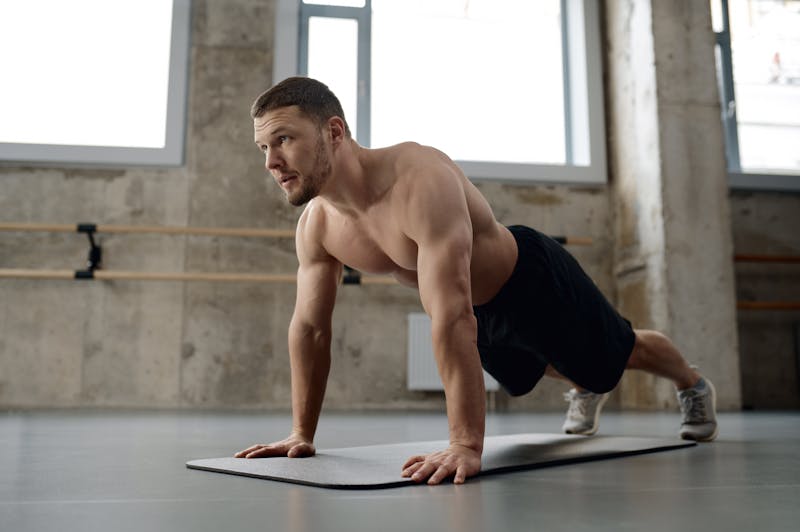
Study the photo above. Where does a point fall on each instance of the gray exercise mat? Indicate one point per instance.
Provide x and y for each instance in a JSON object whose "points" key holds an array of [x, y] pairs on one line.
{"points": [[378, 466]]}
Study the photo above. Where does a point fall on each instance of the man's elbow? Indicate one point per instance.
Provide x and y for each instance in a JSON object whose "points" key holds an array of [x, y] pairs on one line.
{"points": [[305, 333], [456, 324]]}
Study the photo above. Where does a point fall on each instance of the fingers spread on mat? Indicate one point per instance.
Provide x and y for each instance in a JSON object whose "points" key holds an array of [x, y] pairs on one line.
{"points": [[456, 461], [291, 447]]}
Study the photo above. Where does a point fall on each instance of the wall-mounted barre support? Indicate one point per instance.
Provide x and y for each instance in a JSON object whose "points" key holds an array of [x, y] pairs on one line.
{"points": [[95, 258]]}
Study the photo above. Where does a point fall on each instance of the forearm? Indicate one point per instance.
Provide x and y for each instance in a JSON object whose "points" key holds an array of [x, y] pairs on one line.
{"points": [[454, 343], [309, 351]]}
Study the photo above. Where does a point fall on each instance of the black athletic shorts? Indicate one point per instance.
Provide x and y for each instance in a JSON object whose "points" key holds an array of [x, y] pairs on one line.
{"points": [[550, 312]]}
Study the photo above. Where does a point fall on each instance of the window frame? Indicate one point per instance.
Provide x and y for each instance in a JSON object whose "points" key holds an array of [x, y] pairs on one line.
{"points": [[739, 179], [583, 89], [173, 152]]}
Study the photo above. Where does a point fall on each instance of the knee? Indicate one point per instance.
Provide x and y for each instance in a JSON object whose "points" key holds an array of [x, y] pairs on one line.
{"points": [[648, 344]]}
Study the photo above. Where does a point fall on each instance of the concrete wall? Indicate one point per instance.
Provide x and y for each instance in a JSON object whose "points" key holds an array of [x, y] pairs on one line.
{"points": [[204, 345], [167, 344]]}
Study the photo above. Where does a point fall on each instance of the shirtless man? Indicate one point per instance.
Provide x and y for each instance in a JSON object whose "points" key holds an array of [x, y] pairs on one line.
{"points": [[508, 299]]}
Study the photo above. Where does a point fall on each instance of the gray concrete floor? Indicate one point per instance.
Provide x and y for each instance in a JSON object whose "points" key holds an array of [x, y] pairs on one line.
{"points": [[119, 471]]}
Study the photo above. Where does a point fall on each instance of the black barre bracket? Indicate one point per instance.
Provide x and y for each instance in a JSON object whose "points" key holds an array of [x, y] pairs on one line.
{"points": [[95, 256], [351, 276]]}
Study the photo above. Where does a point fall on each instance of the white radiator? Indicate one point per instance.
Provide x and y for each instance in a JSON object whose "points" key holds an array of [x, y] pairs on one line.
{"points": [[422, 371]]}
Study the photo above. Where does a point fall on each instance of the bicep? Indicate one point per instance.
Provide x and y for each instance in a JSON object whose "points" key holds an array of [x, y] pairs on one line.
{"points": [[443, 272], [318, 276], [442, 230], [317, 282]]}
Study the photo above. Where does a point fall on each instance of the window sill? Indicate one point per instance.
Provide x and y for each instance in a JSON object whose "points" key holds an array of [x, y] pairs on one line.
{"points": [[764, 182]]}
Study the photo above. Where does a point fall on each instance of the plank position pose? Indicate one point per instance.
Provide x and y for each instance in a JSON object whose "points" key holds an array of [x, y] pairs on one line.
{"points": [[509, 299]]}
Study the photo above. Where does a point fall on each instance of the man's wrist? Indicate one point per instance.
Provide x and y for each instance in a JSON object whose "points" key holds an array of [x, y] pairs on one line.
{"points": [[303, 435], [473, 445]]}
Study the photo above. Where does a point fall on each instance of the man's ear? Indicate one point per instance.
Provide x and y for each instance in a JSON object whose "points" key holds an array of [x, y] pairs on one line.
{"points": [[336, 129]]}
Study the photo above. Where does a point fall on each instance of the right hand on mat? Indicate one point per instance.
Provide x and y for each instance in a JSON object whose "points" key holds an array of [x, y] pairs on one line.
{"points": [[293, 447], [456, 461]]}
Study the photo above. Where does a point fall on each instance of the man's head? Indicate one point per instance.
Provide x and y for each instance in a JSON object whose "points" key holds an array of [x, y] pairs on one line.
{"points": [[297, 123], [312, 97]]}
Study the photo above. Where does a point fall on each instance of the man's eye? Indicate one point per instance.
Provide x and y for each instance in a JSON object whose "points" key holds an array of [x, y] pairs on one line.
{"points": [[283, 138]]}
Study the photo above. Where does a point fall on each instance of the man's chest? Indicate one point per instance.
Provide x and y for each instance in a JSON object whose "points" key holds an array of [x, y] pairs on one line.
{"points": [[371, 244]]}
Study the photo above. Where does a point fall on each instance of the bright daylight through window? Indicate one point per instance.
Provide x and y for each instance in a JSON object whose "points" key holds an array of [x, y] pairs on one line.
{"points": [[472, 78], [334, 42], [83, 77], [761, 107], [52, 53]]}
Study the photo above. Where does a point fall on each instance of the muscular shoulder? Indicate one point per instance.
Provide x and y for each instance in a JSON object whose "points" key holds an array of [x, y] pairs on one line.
{"points": [[424, 172], [310, 232], [412, 158], [429, 188]]}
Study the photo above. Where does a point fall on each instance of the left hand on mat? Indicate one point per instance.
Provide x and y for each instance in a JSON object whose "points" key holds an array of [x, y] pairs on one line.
{"points": [[456, 461], [294, 446]]}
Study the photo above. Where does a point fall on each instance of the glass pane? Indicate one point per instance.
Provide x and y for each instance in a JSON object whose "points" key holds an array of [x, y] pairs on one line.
{"points": [[333, 60], [479, 79], [346, 3], [716, 15], [89, 73], [765, 43]]}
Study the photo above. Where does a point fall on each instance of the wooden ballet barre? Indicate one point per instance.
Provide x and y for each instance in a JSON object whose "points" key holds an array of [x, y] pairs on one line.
{"points": [[119, 275], [158, 229], [350, 277], [768, 305], [199, 231], [787, 259]]}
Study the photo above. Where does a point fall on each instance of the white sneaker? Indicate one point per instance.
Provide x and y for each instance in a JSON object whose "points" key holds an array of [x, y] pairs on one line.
{"points": [[699, 409], [583, 415]]}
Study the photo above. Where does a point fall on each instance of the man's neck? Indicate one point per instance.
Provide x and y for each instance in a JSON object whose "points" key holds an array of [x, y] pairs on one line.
{"points": [[352, 187]]}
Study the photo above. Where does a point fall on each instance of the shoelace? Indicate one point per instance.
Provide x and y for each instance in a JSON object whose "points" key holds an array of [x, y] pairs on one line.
{"points": [[693, 406], [577, 405]]}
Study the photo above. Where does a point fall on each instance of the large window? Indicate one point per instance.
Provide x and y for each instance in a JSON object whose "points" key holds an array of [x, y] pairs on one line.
{"points": [[456, 83], [511, 89], [758, 63], [93, 81]]}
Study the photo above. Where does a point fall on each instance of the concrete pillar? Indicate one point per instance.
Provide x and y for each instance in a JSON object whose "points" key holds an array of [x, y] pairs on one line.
{"points": [[673, 243]]}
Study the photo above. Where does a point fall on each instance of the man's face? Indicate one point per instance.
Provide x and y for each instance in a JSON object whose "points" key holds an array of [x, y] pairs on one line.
{"points": [[296, 152]]}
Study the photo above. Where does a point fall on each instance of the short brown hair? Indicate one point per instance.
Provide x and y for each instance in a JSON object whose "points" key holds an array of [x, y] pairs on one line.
{"points": [[313, 97]]}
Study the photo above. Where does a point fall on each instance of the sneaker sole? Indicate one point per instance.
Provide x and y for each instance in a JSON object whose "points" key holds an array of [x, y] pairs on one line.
{"points": [[595, 421]]}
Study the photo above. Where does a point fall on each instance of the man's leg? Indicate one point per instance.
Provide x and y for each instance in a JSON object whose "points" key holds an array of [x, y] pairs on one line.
{"points": [[654, 353]]}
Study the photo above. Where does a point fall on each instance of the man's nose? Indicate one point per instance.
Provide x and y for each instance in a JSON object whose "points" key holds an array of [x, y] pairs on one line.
{"points": [[274, 160]]}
